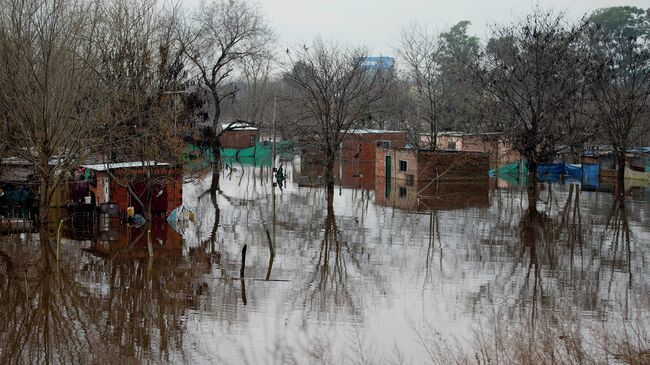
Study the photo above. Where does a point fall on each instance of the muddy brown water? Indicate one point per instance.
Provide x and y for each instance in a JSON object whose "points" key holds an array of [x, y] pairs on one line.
{"points": [[369, 276]]}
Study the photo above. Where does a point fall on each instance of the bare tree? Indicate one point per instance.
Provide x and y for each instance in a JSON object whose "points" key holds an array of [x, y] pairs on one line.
{"points": [[144, 69], [50, 96], [436, 69], [622, 90], [331, 92], [256, 102], [533, 73], [218, 36], [420, 51]]}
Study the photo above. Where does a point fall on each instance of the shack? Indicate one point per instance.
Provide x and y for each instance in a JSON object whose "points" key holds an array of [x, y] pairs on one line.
{"points": [[501, 152], [422, 179], [636, 159], [426, 165], [356, 167], [19, 189], [112, 182], [240, 135]]}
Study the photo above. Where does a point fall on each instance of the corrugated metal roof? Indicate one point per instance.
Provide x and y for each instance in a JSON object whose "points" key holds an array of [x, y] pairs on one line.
{"points": [[123, 165], [372, 131], [461, 134], [238, 126]]}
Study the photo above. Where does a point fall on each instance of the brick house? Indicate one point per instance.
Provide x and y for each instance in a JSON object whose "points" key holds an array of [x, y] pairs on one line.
{"points": [[427, 165], [417, 179], [501, 152], [168, 189], [356, 167], [240, 135]]}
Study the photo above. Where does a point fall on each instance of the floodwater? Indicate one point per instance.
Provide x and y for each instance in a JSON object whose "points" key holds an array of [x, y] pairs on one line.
{"points": [[372, 277]]}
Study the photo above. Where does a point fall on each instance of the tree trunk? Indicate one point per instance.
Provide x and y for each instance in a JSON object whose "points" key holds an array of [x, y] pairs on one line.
{"points": [[532, 180], [43, 202], [147, 210], [531, 163], [217, 112], [216, 166], [620, 173], [330, 201], [216, 143], [329, 169]]}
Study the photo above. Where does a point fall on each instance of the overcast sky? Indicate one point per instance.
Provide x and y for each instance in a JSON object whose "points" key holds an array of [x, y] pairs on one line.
{"points": [[377, 23]]}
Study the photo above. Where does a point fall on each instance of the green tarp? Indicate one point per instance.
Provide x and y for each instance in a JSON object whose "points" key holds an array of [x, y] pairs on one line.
{"points": [[258, 155], [510, 169]]}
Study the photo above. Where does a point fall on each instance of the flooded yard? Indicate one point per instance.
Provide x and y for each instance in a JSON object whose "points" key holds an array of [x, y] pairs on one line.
{"points": [[387, 275]]}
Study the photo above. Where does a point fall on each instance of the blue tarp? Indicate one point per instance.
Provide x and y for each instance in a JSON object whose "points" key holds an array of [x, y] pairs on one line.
{"points": [[591, 175], [549, 178], [544, 169], [591, 170], [587, 174], [549, 172], [572, 171]]}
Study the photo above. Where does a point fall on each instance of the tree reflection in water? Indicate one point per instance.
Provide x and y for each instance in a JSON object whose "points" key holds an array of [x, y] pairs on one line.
{"points": [[46, 315], [328, 284], [85, 309]]}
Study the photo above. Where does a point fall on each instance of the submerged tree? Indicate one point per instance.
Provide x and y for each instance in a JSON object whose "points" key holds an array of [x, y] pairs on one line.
{"points": [[144, 69], [622, 91], [51, 101], [331, 91], [218, 36], [533, 74]]}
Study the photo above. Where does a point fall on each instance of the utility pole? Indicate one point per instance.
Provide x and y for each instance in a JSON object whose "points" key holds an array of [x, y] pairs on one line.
{"points": [[273, 164]]}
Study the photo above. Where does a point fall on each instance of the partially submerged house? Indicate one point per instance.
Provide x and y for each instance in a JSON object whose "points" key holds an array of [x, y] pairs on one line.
{"points": [[19, 189], [501, 152], [426, 165], [356, 167], [418, 179], [239, 135], [112, 182]]}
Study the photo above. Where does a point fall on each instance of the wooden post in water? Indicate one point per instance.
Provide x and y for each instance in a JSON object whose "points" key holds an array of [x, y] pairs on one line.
{"points": [[273, 186], [241, 275], [58, 241], [149, 246], [243, 262]]}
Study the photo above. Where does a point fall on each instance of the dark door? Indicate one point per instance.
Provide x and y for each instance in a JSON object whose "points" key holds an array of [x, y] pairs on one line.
{"points": [[389, 172]]}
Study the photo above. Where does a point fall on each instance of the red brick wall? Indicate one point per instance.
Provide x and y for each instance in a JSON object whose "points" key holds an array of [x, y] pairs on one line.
{"points": [[121, 196], [357, 170], [422, 165], [239, 139], [452, 166]]}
